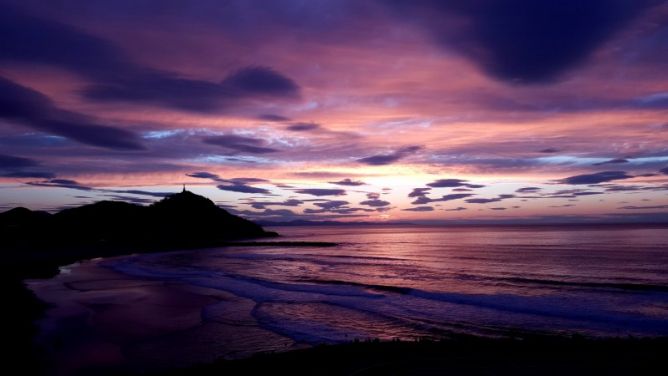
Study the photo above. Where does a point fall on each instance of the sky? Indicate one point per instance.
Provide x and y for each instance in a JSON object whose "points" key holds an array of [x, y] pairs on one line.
{"points": [[379, 110]]}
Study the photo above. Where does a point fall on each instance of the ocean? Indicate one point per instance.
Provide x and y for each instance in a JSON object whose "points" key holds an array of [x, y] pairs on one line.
{"points": [[178, 308]]}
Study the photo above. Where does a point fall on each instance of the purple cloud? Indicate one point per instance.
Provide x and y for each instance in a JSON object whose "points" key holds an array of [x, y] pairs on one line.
{"points": [[242, 188], [303, 127], [451, 183], [375, 203], [420, 209], [384, 159], [528, 190], [321, 192], [61, 183], [488, 200], [522, 41], [599, 177], [35, 110], [449, 197], [240, 144], [348, 182]]}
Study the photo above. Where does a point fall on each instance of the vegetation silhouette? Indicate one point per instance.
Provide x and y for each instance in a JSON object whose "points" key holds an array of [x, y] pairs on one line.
{"points": [[180, 220]]}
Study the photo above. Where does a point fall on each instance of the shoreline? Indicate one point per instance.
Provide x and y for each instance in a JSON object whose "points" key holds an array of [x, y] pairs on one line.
{"points": [[24, 263], [368, 356], [544, 353]]}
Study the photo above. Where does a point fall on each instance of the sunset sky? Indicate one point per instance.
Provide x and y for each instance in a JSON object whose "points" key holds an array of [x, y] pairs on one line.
{"points": [[378, 110]]}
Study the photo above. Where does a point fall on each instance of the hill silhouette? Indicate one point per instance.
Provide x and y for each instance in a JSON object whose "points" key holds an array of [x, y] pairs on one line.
{"points": [[180, 220]]}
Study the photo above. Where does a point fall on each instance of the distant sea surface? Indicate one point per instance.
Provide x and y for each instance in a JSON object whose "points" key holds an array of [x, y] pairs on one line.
{"points": [[178, 308]]}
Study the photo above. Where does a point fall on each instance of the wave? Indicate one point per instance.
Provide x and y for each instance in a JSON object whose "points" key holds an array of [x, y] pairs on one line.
{"points": [[572, 309], [588, 284], [558, 307], [388, 288]]}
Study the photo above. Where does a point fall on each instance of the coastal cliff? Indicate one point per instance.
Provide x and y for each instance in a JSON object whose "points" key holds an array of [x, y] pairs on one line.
{"points": [[179, 220]]}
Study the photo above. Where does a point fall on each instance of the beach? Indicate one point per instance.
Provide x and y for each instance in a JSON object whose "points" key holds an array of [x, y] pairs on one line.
{"points": [[162, 311]]}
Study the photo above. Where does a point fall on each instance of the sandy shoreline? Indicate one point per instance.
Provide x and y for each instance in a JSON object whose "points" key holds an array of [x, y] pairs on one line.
{"points": [[102, 318]]}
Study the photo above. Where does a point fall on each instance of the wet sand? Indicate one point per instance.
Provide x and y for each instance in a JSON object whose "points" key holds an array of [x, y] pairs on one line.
{"points": [[126, 323]]}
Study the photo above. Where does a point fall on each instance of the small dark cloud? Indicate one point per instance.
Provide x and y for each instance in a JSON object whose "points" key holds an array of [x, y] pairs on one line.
{"points": [[459, 208], [489, 200], [60, 183], [564, 193], [499, 208], [341, 211], [232, 182], [242, 188], [384, 159], [664, 171], [321, 192], [334, 204], [246, 180], [612, 161], [418, 192], [587, 193], [272, 117], [549, 151], [141, 193], [203, 175], [528, 190], [264, 204], [599, 177], [240, 144], [451, 183], [348, 182], [453, 196], [420, 209], [321, 174], [260, 80], [632, 207], [336, 207], [421, 197], [420, 200], [303, 127], [623, 188], [375, 203]]}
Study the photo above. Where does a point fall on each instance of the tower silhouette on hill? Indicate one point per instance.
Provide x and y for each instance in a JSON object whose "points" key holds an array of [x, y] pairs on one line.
{"points": [[183, 219]]}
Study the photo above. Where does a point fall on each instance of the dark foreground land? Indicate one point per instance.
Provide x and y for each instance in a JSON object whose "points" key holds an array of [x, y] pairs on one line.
{"points": [[534, 355]]}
